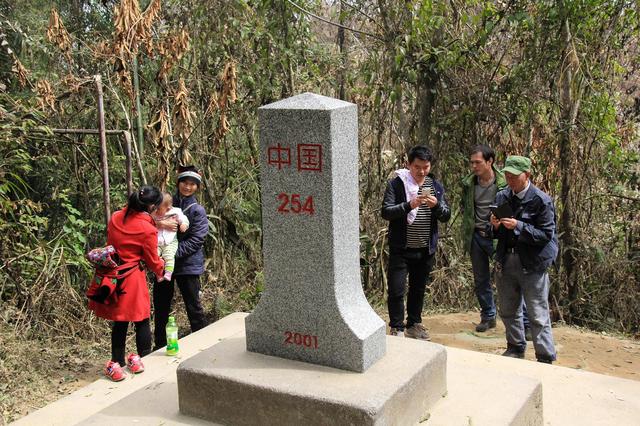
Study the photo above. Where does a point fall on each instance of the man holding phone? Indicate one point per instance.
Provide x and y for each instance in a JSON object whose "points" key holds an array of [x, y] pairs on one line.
{"points": [[413, 204], [527, 246], [479, 192]]}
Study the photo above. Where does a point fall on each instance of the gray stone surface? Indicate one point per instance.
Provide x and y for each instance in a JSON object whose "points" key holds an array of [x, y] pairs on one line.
{"points": [[481, 396], [313, 308], [228, 385]]}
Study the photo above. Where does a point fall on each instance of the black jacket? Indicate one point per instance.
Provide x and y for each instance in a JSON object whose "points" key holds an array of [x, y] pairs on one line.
{"points": [[537, 244], [395, 209], [190, 255]]}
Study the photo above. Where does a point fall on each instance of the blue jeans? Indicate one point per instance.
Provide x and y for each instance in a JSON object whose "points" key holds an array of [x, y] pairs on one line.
{"points": [[513, 284], [481, 254]]}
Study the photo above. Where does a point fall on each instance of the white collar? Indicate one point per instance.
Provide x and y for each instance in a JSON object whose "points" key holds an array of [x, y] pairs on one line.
{"points": [[522, 193]]}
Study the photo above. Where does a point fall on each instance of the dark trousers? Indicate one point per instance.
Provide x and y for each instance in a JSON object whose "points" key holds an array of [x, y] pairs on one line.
{"points": [[416, 263], [119, 339], [189, 286], [481, 254]]}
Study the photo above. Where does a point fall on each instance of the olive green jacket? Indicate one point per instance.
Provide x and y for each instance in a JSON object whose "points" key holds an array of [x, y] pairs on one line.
{"points": [[468, 205]]}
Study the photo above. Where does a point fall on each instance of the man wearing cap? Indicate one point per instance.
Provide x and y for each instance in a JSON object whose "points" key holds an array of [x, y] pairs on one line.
{"points": [[527, 246], [479, 192]]}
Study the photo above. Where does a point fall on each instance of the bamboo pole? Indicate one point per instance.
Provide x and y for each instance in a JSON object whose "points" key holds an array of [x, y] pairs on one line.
{"points": [[139, 163], [136, 88], [127, 162], [103, 151], [86, 131]]}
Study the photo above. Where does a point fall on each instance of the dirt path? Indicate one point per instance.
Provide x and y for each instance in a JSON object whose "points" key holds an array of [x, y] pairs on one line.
{"points": [[585, 350]]}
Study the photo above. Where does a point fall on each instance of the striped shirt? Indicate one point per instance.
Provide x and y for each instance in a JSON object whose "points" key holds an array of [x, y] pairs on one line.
{"points": [[419, 232]]}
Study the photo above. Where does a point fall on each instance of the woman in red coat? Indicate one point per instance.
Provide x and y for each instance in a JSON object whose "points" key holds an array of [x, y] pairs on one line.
{"points": [[132, 232]]}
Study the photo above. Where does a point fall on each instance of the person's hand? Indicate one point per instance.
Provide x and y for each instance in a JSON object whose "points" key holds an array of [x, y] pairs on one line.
{"points": [[431, 201], [416, 202], [509, 222], [170, 224], [494, 221], [183, 227]]}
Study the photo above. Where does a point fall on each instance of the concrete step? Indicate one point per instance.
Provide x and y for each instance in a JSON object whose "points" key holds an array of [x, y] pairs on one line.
{"points": [[487, 397]]}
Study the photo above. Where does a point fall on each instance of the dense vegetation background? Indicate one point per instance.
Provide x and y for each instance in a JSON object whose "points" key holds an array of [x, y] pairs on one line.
{"points": [[556, 80]]}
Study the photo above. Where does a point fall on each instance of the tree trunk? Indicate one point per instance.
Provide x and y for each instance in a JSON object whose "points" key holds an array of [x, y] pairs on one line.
{"points": [[427, 81], [342, 73], [569, 102]]}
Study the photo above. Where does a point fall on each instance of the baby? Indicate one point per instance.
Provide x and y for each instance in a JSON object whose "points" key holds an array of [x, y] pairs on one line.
{"points": [[167, 241]]}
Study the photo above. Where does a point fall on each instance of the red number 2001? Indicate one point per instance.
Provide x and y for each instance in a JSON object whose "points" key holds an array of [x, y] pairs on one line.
{"points": [[293, 204], [306, 340]]}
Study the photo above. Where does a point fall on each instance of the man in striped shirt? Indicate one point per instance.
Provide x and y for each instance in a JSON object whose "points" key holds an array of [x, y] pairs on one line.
{"points": [[413, 204]]}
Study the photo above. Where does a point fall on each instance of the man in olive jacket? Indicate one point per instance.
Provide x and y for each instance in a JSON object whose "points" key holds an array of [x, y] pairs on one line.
{"points": [[413, 204], [479, 191], [527, 246]]}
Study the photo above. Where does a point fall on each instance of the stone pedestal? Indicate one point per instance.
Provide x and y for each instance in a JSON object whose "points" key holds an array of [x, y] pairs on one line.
{"points": [[228, 385], [313, 308]]}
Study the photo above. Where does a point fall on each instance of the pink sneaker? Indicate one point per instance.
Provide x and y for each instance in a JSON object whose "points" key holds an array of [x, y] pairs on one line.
{"points": [[113, 371], [134, 363]]}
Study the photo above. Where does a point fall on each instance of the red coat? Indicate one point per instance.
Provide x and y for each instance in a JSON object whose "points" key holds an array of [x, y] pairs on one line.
{"points": [[135, 239]]}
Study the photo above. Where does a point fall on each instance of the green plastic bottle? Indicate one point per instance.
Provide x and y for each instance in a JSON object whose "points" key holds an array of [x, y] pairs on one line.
{"points": [[172, 337]]}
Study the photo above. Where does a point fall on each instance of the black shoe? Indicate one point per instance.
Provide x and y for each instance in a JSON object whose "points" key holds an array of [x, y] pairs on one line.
{"points": [[513, 353], [544, 359], [527, 335], [486, 325]]}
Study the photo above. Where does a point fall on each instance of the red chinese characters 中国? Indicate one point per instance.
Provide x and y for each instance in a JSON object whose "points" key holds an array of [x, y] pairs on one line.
{"points": [[279, 156], [310, 157]]}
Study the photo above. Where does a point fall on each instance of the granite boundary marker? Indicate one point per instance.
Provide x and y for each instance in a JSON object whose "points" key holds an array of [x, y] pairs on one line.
{"points": [[313, 308]]}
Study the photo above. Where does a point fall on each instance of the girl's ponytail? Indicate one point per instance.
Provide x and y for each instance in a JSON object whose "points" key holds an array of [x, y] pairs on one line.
{"points": [[142, 199]]}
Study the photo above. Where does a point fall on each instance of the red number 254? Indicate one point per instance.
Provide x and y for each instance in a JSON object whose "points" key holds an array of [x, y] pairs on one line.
{"points": [[292, 203]]}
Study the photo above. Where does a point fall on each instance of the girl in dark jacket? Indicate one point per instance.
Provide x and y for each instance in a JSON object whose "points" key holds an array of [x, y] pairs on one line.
{"points": [[189, 259], [132, 233]]}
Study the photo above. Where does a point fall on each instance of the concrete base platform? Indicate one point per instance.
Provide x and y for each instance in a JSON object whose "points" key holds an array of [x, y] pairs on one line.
{"points": [[229, 385], [481, 397], [478, 392]]}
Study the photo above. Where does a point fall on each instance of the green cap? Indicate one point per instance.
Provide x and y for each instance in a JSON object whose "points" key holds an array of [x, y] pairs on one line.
{"points": [[517, 164]]}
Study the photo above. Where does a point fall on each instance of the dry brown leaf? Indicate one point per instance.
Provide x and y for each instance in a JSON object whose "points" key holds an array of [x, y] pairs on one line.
{"points": [[172, 49], [159, 130], [182, 116], [46, 97], [20, 71], [226, 96], [58, 34], [132, 30], [230, 80], [150, 15]]}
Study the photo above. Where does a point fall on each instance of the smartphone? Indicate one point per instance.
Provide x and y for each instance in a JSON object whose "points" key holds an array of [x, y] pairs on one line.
{"points": [[502, 211]]}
